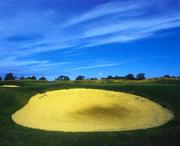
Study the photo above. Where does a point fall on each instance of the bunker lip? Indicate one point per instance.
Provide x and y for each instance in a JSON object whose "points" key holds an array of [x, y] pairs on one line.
{"points": [[90, 110], [9, 86]]}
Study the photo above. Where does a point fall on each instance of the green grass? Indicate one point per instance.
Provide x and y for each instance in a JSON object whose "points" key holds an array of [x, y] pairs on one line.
{"points": [[12, 99]]}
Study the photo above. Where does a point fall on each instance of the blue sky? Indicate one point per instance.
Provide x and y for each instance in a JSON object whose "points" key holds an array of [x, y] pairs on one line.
{"points": [[94, 38]]}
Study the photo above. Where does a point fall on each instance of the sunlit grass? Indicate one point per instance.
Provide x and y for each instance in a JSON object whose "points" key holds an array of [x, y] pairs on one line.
{"points": [[9, 86]]}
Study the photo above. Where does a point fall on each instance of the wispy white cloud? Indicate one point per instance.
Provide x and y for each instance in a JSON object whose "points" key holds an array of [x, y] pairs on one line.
{"points": [[135, 25], [113, 28], [95, 66], [12, 64], [113, 22], [111, 8], [130, 30], [11, 61], [105, 63], [118, 38]]}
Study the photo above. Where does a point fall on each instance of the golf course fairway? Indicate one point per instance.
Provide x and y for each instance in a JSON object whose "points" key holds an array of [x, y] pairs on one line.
{"points": [[81, 110]]}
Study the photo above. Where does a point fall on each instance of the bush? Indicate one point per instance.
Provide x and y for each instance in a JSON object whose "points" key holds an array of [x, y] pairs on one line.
{"points": [[93, 79], [80, 77], [62, 78], [42, 79], [31, 78], [21, 78], [9, 76], [140, 76], [130, 76]]}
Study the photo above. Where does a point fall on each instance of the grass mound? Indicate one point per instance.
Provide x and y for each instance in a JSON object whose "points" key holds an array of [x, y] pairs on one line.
{"points": [[90, 110]]}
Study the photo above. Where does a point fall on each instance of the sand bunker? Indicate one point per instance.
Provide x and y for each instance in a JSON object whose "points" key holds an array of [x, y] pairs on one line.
{"points": [[9, 86], [90, 110]]}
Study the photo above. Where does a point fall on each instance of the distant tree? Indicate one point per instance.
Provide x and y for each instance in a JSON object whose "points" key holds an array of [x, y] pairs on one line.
{"points": [[130, 76], [42, 79], [110, 77], [166, 76], [9, 76], [0, 78], [116, 77], [21, 78], [103, 78], [93, 79], [63, 78], [33, 78], [140, 76], [119, 77], [80, 77]]}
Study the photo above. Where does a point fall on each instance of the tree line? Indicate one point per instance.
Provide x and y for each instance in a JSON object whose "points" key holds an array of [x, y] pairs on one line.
{"points": [[130, 76], [11, 76]]}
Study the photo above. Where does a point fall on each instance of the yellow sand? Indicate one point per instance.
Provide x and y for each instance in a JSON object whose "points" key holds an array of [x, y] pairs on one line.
{"points": [[90, 110], [9, 86]]}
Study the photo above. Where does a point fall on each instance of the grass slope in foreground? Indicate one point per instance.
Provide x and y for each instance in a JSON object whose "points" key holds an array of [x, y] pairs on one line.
{"points": [[12, 134]]}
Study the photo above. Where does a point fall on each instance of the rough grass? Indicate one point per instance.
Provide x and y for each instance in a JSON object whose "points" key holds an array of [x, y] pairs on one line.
{"points": [[11, 134]]}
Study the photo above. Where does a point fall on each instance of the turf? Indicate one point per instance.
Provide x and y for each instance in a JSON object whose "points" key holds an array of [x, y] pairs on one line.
{"points": [[11, 100]]}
